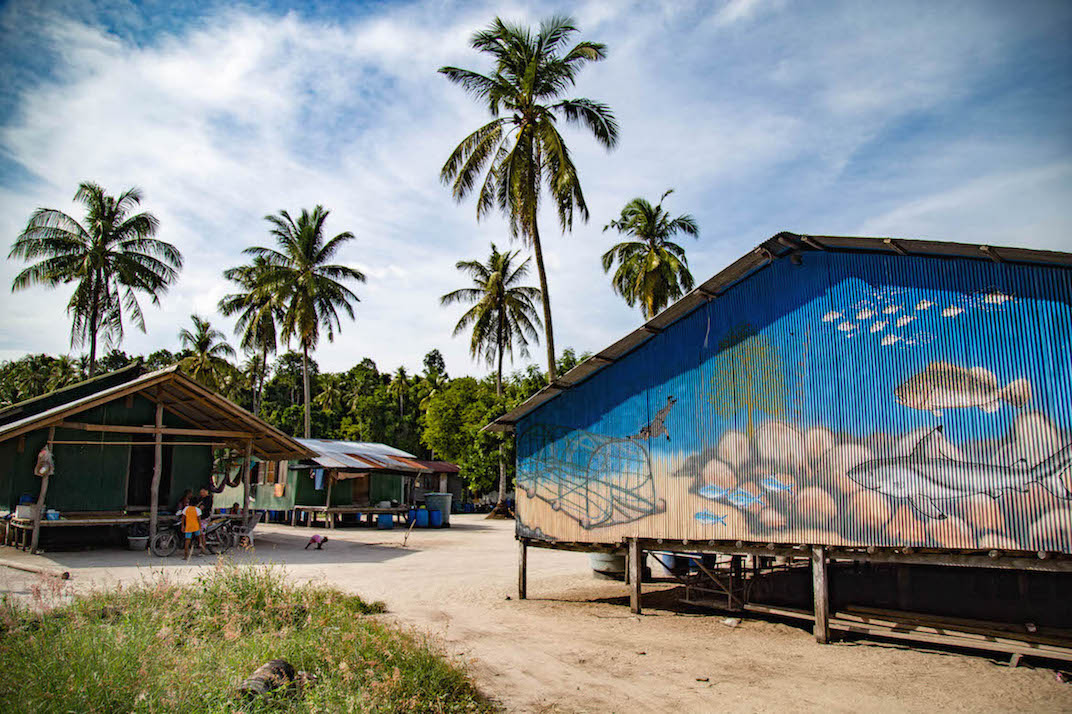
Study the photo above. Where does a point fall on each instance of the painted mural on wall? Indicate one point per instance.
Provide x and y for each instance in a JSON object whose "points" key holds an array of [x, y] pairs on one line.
{"points": [[910, 401]]}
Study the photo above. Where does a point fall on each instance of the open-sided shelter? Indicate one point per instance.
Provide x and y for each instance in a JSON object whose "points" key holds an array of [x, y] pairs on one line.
{"points": [[124, 446]]}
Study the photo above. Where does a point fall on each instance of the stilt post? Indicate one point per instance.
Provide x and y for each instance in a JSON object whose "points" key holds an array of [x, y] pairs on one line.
{"points": [[522, 570], [158, 465], [636, 574], [39, 512], [820, 588]]}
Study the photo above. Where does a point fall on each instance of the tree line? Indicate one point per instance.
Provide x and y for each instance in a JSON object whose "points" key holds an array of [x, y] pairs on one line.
{"points": [[293, 293]]}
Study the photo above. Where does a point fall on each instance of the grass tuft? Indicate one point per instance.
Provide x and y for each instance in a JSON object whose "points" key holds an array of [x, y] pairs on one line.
{"points": [[160, 647]]}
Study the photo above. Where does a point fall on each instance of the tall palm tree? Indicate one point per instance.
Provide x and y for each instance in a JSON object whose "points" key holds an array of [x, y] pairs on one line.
{"points": [[652, 270], [503, 317], [64, 371], [110, 256], [207, 362], [398, 386], [259, 310], [308, 285], [331, 395], [521, 147]]}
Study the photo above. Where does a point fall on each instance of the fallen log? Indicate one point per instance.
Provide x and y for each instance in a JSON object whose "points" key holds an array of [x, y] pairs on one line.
{"points": [[267, 677], [62, 575]]}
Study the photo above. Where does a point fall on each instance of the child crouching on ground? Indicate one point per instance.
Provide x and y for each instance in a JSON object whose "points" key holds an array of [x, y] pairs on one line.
{"points": [[317, 540]]}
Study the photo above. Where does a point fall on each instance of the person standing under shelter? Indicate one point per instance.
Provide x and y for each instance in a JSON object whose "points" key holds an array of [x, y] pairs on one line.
{"points": [[190, 524]]}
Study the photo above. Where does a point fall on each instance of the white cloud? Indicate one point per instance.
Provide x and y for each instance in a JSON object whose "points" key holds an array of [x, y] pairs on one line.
{"points": [[758, 127]]}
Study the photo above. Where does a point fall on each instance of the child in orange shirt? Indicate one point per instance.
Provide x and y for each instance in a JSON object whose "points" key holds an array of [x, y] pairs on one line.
{"points": [[190, 522]]}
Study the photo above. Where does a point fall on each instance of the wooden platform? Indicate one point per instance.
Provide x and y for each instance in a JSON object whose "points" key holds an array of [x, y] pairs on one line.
{"points": [[19, 530], [331, 513]]}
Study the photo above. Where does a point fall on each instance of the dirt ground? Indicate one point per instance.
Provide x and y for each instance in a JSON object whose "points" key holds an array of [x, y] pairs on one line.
{"points": [[573, 646]]}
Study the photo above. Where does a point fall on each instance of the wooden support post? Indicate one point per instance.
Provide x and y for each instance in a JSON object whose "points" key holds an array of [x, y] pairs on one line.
{"points": [[40, 510], [820, 589], [158, 465], [329, 518], [294, 517], [522, 570], [636, 574], [246, 476]]}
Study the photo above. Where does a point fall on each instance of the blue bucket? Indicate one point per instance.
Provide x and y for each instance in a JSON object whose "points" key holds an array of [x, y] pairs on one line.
{"points": [[435, 519], [385, 521], [422, 518]]}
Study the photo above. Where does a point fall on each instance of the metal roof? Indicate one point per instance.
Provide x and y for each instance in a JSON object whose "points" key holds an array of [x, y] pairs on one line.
{"points": [[182, 396], [359, 456], [782, 245]]}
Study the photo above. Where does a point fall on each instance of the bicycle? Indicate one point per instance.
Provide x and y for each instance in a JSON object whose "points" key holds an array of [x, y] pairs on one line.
{"points": [[218, 539]]}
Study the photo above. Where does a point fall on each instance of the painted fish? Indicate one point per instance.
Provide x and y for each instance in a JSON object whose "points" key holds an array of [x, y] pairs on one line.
{"points": [[878, 326], [772, 483], [924, 304], [952, 311], [996, 298], [865, 314], [742, 498], [846, 326], [710, 518], [946, 386], [831, 316], [927, 476], [890, 309], [890, 339], [713, 492], [902, 321]]}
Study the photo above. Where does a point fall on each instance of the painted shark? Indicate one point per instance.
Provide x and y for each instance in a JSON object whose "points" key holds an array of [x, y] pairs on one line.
{"points": [[926, 477], [657, 426]]}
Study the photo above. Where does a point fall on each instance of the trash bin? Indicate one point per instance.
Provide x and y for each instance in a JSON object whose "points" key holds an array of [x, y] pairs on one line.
{"points": [[440, 502]]}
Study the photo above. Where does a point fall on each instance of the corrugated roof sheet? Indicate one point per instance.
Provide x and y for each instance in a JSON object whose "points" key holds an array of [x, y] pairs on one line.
{"points": [[782, 245], [359, 456]]}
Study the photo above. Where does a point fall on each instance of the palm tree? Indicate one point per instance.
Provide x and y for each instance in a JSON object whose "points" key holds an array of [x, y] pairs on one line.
{"points": [[307, 284], [64, 372], [259, 311], [397, 387], [503, 316], [207, 362], [652, 270], [111, 256], [521, 146], [331, 395]]}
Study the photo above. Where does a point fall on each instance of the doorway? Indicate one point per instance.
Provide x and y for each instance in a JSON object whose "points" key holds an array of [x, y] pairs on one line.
{"points": [[140, 475]]}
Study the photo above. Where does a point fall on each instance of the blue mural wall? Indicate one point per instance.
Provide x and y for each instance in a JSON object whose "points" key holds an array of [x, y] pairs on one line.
{"points": [[851, 399]]}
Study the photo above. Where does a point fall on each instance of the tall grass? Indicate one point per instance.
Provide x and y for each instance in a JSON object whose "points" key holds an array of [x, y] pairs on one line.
{"points": [[163, 647]]}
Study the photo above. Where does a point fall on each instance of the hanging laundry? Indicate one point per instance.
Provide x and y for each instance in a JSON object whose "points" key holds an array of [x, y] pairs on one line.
{"points": [[279, 487], [318, 479]]}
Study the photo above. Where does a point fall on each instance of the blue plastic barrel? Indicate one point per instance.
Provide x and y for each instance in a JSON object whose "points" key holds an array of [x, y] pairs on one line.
{"points": [[385, 521], [435, 519], [412, 516], [422, 518]]}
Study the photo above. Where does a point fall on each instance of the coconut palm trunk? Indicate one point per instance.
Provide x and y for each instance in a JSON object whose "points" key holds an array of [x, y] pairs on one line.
{"points": [[548, 330], [305, 389]]}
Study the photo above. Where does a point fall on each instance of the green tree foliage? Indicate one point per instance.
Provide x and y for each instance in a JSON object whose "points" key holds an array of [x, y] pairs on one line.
{"points": [[510, 161], [260, 310], [209, 351], [652, 269], [748, 374], [307, 284], [110, 257]]}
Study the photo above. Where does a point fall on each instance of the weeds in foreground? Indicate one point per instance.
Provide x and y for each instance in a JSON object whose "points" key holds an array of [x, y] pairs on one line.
{"points": [[160, 646]]}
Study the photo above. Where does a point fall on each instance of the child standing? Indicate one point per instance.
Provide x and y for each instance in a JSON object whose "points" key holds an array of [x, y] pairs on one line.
{"points": [[190, 522]]}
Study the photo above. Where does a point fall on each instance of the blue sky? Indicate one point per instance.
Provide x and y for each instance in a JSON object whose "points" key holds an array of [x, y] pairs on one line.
{"points": [[932, 120]]}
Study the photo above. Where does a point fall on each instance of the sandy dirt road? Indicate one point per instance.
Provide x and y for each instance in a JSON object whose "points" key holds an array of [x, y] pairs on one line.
{"points": [[575, 647]]}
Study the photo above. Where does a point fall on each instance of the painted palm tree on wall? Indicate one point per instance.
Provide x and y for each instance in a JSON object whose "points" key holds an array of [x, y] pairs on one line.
{"points": [[260, 311], [510, 161], [652, 270], [309, 286], [207, 362], [110, 257], [503, 317]]}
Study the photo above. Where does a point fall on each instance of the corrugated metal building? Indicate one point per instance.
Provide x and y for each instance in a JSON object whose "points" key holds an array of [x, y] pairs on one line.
{"points": [[852, 393]]}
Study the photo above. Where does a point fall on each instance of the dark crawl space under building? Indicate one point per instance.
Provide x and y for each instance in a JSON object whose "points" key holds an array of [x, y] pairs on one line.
{"points": [[874, 434]]}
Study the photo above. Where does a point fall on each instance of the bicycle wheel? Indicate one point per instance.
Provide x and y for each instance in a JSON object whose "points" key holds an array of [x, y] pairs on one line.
{"points": [[164, 544], [218, 541]]}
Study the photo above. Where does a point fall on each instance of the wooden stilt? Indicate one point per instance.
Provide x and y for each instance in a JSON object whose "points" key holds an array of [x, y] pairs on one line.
{"points": [[40, 510], [329, 517], [522, 570], [635, 566], [820, 589], [294, 517], [158, 465]]}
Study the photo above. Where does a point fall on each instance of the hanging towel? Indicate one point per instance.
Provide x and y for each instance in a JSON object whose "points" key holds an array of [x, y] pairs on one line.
{"points": [[318, 479], [279, 490]]}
